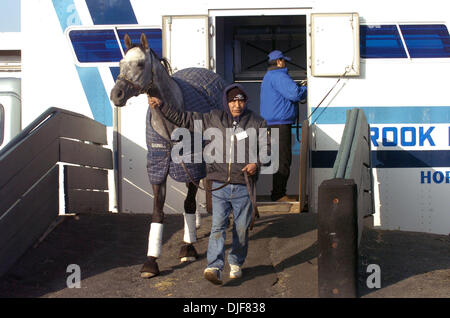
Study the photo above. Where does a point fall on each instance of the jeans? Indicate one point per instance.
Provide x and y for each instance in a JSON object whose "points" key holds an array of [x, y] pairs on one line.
{"points": [[233, 197]]}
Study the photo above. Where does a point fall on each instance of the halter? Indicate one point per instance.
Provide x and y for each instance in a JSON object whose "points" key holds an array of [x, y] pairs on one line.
{"points": [[138, 88]]}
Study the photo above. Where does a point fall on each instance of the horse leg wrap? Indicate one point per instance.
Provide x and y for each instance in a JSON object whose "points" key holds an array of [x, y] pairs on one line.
{"points": [[198, 219], [190, 231], [155, 240]]}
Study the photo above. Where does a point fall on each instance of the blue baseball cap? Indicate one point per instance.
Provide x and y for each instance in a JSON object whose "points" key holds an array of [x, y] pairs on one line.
{"points": [[275, 55]]}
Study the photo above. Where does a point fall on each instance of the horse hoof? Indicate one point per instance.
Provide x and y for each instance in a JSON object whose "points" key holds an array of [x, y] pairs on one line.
{"points": [[150, 268], [148, 275], [188, 253]]}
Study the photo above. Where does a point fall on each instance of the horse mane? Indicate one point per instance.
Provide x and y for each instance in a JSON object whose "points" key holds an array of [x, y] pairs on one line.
{"points": [[166, 65], [163, 61]]}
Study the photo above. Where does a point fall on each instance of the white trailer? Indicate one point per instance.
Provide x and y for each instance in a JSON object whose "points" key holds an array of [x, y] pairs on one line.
{"points": [[10, 78], [388, 58]]}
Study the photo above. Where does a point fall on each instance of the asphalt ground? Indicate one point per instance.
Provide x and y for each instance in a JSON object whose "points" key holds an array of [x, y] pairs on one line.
{"points": [[281, 263]]}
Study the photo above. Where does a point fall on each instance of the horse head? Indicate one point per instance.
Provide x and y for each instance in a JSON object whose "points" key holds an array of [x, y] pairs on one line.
{"points": [[136, 76]]}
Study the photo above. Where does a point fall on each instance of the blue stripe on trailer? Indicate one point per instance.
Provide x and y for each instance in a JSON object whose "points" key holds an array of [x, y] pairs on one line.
{"points": [[96, 94], [115, 71], [386, 115], [111, 12], [411, 158], [89, 76], [391, 158]]}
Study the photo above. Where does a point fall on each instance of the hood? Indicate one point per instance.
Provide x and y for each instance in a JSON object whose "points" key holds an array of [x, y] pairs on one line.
{"points": [[224, 98]]}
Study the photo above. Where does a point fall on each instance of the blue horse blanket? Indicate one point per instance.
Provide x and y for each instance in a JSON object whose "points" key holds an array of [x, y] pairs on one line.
{"points": [[202, 91]]}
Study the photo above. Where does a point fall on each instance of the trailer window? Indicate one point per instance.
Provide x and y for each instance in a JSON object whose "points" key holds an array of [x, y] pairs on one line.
{"points": [[95, 46], [426, 41], [253, 43], [243, 43], [381, 41], [154, 38]]}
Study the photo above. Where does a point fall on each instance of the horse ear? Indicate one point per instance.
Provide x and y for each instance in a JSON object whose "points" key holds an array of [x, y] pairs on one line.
{"points": [[144, 41], [127, 41]]}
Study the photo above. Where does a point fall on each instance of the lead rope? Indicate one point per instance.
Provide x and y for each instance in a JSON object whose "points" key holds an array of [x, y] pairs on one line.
{"points": [[251, 187]]}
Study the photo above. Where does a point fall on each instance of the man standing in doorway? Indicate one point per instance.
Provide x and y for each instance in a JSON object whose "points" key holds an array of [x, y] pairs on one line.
{"points": [[279, 95]]}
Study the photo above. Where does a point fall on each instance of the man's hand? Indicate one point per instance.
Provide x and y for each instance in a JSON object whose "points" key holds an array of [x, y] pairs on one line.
{"points": [[251, 168], [154, 101]]}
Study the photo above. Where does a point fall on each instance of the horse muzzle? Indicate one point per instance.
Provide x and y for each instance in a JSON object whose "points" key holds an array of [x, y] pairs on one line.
{"points": [[120, 94]]}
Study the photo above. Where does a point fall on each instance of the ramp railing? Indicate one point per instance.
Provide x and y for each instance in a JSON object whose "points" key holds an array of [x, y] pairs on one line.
{"points": [[30, 177], [344, 202]]}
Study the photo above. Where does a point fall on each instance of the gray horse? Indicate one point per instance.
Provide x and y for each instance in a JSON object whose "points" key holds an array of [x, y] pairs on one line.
{"points": [[191, 89]]}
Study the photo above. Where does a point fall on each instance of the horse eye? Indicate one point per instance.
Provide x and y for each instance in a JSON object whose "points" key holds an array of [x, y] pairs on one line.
{"points": [[141, 64]]}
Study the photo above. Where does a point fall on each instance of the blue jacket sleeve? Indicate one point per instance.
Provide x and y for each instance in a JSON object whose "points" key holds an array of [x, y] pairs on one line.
{"points": [[288, 88]]}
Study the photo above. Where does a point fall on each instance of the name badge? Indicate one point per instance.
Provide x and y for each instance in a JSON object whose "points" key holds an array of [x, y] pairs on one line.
{"points": [[241, 135]]}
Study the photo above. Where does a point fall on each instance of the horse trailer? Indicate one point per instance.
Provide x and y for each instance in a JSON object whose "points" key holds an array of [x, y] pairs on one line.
{"points": [[389, 58]]}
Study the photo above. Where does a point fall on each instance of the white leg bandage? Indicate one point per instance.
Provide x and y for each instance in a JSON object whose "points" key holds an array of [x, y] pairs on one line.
{"points": [[198, 219], [155, 240], [190, 232]]}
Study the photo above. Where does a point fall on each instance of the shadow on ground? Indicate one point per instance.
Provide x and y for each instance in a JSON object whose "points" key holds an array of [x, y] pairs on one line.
{"points": [[97, 243], [411, 264], [281, 262]]}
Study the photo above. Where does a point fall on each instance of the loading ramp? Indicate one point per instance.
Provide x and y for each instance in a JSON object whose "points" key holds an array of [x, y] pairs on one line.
{"points": [[57, 145]]}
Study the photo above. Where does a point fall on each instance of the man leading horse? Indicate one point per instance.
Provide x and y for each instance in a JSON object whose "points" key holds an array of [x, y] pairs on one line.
{"points": [[233, 175]]}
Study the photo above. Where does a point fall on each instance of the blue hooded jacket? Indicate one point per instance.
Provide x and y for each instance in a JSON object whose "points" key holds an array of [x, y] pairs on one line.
{"points": [[278, 95]]}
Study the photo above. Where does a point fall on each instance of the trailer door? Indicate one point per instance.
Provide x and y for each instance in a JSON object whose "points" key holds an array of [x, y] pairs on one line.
{"points": [[335, 44], [185, 41]]}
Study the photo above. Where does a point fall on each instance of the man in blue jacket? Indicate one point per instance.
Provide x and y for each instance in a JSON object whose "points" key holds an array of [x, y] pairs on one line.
{"points": [[279, 95]]}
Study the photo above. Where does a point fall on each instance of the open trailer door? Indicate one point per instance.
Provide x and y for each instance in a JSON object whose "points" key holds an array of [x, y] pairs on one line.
{"points": [[335, 44], [186, 41]]}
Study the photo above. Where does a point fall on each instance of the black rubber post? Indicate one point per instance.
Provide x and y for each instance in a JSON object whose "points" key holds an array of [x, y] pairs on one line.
{"points": [[338, 239]]}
